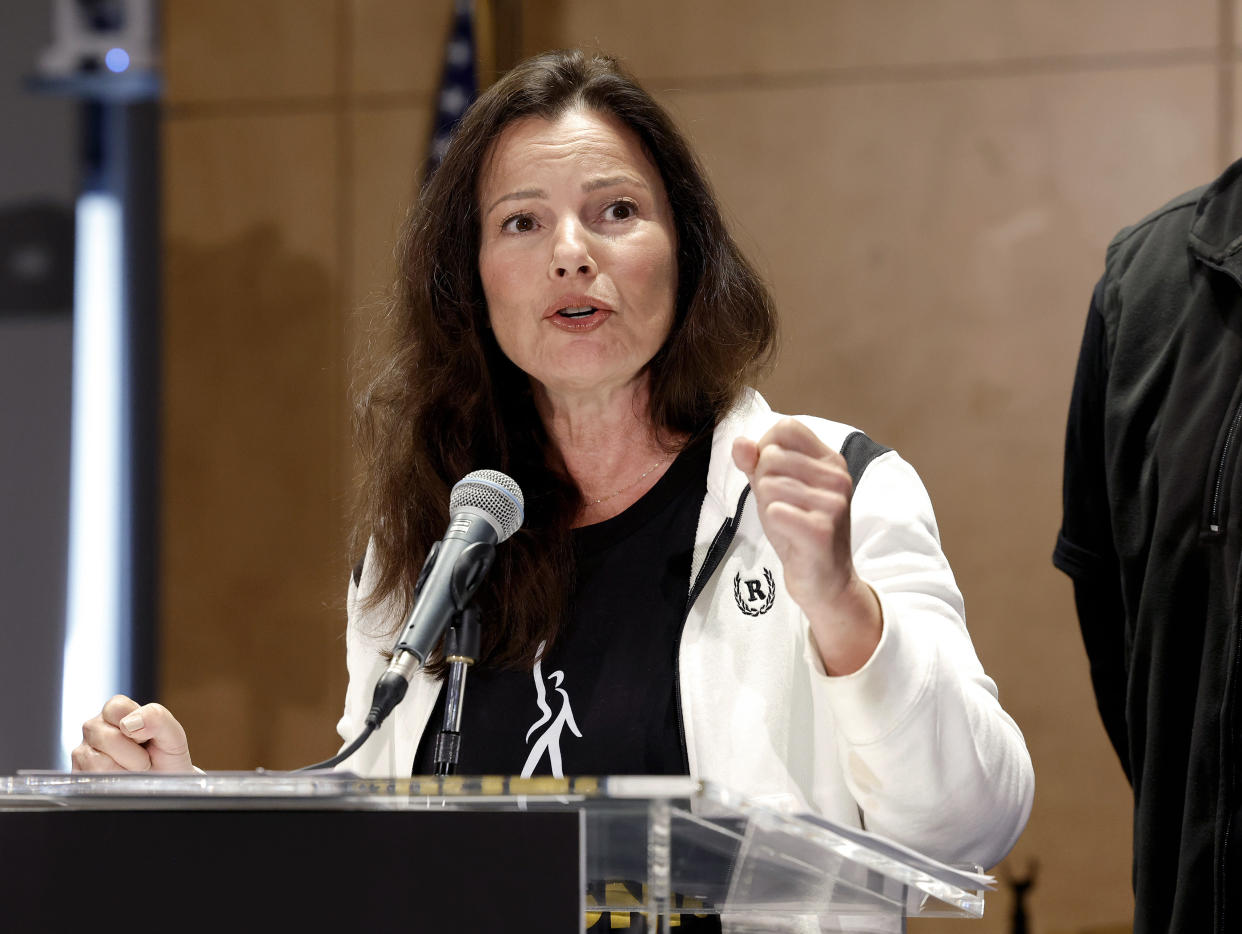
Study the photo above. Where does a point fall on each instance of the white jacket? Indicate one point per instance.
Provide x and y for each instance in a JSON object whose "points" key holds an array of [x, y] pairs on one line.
{"points": [[914, 745]]}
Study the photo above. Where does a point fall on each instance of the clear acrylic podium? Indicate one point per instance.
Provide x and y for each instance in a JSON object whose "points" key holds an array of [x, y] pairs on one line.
{"points": [[241, 851]]}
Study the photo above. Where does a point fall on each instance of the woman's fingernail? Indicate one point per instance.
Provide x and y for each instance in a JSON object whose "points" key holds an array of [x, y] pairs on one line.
{"points": [[132, 723]]}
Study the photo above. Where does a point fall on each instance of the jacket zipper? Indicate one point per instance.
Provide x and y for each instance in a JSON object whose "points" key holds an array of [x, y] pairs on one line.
{"points": [[1228, 782], [1214, 518], [1214, 526], [720, 544], [1226, 779], [1221, 875]]}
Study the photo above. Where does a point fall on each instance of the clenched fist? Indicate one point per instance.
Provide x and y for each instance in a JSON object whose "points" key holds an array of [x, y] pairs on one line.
{"points": [[802, 489], [126, 737]]}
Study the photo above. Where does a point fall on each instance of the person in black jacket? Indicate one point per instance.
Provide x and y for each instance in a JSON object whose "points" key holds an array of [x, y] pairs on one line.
{"points": [[1151, 537]]}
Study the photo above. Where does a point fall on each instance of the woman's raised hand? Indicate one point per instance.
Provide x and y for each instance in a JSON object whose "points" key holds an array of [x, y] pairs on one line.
{"points": [[126, 737], [802, 490]]}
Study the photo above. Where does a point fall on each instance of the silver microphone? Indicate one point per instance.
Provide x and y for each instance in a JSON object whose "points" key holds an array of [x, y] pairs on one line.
{"points": [[485, 508]]}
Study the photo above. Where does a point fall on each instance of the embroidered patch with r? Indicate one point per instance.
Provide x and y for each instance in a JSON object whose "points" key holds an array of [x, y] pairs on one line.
{"points": [[754, 596]]}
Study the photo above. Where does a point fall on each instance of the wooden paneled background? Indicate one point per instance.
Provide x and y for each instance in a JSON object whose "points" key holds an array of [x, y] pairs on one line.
{"points": [[928, 185]]}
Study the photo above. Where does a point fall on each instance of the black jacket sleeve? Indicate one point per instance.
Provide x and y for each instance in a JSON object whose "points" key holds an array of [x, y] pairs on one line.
{"points": [[1084, 548]]}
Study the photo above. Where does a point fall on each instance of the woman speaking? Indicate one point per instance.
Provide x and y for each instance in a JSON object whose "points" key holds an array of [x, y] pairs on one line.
{"points": [[701, 585]]}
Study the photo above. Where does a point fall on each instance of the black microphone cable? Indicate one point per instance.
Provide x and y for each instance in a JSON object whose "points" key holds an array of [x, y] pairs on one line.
{"points": [[389, 691]]}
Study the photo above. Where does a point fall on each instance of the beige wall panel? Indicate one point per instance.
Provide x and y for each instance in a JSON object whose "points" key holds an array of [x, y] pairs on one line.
{"points": [[388, 150], [253, 567], [249, 49], [688, 39], [1233, 120], [397, 46], [933, 247], [228, 175]]}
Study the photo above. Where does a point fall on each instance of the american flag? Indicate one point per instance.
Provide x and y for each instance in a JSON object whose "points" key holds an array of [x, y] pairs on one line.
{"points": [[458, 83]]}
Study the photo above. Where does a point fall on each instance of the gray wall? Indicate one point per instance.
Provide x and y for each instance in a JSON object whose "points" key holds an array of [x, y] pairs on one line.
{"points": [[37, 186]]}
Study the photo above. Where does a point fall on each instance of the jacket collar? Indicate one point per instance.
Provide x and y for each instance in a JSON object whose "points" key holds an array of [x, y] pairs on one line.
{"points": [[1216, 232]]}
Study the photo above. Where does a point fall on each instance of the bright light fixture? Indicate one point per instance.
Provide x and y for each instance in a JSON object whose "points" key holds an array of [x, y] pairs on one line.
{"points": [[95, 641]]}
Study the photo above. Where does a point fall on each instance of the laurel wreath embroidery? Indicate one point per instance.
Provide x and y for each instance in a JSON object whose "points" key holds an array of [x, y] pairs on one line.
{"points": [[737, 594]]}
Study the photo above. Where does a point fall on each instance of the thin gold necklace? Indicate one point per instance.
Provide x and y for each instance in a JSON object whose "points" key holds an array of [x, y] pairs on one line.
{"points": [[604, 499]]}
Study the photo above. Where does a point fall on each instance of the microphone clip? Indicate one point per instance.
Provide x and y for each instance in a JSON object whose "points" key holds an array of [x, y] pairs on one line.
{"points": [[472, 566]]}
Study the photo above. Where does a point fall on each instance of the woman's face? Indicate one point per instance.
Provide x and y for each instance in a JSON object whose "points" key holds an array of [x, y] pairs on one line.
{"points": [[578, 252]]}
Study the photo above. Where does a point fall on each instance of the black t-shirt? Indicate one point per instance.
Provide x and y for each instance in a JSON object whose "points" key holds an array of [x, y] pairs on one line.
{"points": [[603, 700]]}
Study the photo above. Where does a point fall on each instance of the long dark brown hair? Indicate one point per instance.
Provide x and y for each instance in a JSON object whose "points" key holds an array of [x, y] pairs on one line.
{"points": [[447, 401]]}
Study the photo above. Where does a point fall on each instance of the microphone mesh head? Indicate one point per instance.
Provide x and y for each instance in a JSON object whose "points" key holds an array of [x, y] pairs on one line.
{"points": [[493, 493]]}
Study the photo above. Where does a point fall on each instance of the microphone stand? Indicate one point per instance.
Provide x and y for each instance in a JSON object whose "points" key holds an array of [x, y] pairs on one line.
{"points": [[461, 649]]}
